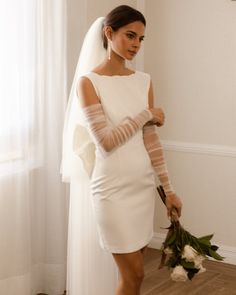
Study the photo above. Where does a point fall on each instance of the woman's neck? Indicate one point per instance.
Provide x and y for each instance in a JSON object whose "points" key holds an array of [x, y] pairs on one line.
{"points": [[115, 65]]}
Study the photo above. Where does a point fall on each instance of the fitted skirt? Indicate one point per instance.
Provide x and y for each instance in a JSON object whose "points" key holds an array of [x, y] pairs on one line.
{"points": [[123, 192]]}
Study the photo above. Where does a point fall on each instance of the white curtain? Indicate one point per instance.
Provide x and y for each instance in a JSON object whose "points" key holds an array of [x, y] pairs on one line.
{"points": [[33, 96]]}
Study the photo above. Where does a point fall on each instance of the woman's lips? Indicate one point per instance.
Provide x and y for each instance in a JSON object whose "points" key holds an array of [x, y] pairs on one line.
{"points": [[132, 52]]}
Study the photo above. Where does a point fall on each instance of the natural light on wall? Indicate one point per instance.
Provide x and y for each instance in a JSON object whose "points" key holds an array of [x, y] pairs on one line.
{"points": [[17, 76]]}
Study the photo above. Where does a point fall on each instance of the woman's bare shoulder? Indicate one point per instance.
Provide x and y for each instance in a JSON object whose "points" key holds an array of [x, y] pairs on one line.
{"points": [[86, 91]]}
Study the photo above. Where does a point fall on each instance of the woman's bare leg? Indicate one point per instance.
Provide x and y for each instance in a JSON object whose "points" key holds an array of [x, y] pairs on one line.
{"points": [[131, 272], [144, 251]]}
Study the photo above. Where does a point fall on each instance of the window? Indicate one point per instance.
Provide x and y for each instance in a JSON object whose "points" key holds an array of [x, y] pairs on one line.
{"points": [[17, 79]]}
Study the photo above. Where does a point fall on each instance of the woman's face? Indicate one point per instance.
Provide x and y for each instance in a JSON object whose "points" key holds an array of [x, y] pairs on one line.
{"points": [[126, 41]]}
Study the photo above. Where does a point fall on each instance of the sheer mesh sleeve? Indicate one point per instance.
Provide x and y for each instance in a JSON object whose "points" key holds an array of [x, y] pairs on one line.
{"points": [[109, 137], [155, 150]]}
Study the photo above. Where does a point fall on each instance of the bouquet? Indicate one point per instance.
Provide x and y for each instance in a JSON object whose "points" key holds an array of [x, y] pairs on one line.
{"points": [[184, 251]]}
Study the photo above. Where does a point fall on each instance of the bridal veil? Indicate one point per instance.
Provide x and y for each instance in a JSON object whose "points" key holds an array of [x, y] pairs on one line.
{"points": [[90, 269]]}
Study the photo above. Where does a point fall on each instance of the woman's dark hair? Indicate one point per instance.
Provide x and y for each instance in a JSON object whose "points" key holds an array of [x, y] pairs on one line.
{"points": [[121, 16]]}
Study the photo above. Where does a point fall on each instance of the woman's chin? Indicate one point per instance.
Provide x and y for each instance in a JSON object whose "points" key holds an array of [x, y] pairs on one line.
{"points": [[129, 58]]}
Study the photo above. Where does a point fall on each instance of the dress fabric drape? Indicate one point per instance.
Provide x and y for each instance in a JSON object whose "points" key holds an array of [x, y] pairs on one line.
{"points": [[33, 201]]}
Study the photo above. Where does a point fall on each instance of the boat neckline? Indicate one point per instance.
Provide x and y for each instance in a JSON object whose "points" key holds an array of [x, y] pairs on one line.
{"points": [[132, 74]]}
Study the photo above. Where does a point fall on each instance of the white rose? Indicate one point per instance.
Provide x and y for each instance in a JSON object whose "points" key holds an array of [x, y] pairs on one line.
{"points": [[168, 251], [179, 274], [189, 253], [198, 261]]}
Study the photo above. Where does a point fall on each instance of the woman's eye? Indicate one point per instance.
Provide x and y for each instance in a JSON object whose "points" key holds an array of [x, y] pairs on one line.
{"points": [[130, 36]]}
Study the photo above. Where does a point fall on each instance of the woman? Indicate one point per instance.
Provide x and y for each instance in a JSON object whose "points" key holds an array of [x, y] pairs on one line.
{"points": [[116, 105]]}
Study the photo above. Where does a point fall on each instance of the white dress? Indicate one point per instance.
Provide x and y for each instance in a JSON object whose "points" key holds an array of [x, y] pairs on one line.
{"points": [[123, 187]]}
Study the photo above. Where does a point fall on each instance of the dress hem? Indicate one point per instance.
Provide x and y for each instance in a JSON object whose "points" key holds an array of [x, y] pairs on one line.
{"points": [[128, 250]]}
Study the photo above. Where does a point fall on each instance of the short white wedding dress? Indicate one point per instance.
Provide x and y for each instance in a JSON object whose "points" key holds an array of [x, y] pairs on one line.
{"points": [[121, 201]]}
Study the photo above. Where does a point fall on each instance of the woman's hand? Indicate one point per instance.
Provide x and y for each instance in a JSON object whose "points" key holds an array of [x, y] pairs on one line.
{"points": [[173, 203], [158, 116]]}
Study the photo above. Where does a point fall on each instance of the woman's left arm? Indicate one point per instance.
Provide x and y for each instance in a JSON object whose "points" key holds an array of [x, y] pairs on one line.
{"points": [[155, 150]]}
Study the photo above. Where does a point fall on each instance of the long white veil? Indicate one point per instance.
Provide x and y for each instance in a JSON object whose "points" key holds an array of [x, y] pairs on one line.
{"points": [[90, 269], [92, 53]]}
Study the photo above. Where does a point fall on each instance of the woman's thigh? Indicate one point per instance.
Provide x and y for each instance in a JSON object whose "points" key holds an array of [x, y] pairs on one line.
{"points": [[131, 264]]}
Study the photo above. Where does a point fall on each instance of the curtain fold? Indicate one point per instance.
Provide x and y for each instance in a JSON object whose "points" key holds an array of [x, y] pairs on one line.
{"points": [[33, 201]]}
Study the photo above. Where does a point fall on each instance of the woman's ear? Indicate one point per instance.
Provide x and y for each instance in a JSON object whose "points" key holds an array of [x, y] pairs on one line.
{"points": [[108, 32]]}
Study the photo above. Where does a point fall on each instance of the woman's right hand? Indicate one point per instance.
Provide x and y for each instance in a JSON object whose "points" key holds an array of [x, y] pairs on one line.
{"points": [[173, 205], [158, 116]]}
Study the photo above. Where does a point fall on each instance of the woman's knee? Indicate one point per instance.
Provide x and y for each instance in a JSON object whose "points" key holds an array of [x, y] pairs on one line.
{"points": [[139, 275], [133, 279], [136, 273]]}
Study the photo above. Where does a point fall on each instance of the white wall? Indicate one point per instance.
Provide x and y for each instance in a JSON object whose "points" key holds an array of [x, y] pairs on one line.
{"points": [[190, 52]]}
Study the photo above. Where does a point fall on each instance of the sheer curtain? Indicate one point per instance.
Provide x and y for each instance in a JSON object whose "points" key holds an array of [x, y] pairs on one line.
{"points": [[33, 95]]}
